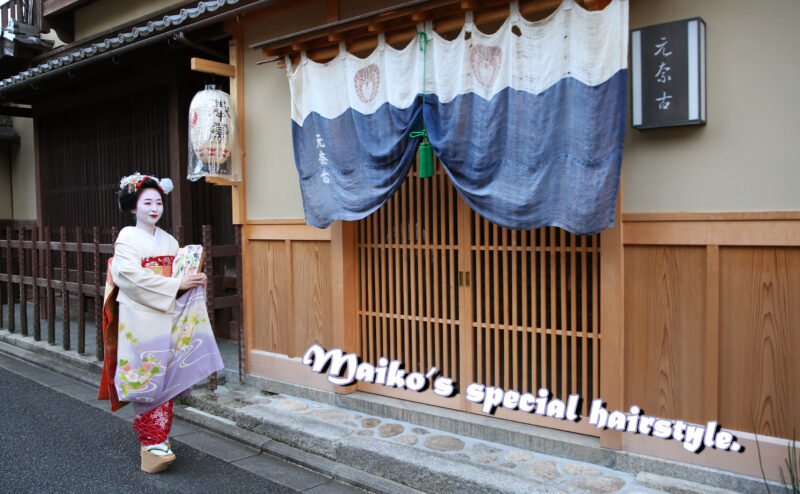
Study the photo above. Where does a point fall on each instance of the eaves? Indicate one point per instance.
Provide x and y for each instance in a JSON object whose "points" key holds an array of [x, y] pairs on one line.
{"points": [[204, 13]]}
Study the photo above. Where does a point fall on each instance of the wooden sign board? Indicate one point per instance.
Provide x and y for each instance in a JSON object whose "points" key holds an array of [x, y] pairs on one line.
{"points": [[668, 74]]}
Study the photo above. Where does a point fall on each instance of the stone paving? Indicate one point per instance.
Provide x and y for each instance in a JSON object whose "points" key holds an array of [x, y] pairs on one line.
{"points": [[552, 473], [567, 475]]}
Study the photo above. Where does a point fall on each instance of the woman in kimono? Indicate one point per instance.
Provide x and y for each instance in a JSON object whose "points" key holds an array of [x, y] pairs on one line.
{"points": [[157, 336]]}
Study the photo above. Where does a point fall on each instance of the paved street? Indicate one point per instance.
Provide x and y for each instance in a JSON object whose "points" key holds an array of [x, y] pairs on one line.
{"points": [[52, 442]]}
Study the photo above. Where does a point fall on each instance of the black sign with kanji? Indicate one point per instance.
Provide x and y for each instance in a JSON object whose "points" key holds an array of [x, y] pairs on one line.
{"points": [[668, 74]]}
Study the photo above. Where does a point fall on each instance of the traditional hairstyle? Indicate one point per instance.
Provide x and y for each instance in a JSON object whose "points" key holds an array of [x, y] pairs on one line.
{"points": [[131, 187]]}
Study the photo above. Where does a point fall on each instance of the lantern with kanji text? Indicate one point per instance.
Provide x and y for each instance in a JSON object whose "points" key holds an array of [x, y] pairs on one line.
{"points": [[212, 134]]}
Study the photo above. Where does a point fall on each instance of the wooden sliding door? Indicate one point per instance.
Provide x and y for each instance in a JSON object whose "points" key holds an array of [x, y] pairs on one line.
{"points": [[442, 287], [409, 264], [535, 299]]}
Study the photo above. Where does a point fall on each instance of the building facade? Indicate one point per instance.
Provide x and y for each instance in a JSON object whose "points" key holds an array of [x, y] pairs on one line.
{"points": [[688, 307]]}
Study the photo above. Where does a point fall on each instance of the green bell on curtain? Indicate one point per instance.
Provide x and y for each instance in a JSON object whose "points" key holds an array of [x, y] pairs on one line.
{"points": [[425, 159]]}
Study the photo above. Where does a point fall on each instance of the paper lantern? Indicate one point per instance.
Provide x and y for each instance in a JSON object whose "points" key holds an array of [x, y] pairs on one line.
{"points": [[212, 129]]}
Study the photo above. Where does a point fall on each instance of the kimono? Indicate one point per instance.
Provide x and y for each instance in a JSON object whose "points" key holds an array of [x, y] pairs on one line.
{"points": [[157, 346]]}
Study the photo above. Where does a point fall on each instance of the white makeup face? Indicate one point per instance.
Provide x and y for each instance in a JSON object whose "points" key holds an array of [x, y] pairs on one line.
{"points": [[149, 207]]}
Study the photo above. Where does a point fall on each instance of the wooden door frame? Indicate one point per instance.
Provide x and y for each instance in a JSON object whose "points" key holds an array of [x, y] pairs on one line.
{"points": [[612, 321]]}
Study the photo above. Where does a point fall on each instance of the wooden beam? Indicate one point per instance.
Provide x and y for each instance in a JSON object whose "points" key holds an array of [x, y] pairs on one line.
{"points": [[365, 41], [612, 322], [180, 195], [360, 45], [784, 233], [420, 16], [211, 67], [351, 24], [247, 297], [448, 14], [287, 232], [278, 221], [51, 7], [344, 289], [331, 11], [222, 181], [374, 27], [38, 165], [238, 187], [711, 344], [16, 111], [704, 216]]}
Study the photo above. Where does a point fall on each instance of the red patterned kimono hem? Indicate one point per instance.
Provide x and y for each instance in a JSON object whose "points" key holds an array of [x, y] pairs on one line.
{"points": [[153, 427]]}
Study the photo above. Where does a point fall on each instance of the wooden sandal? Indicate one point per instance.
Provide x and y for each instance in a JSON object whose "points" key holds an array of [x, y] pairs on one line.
{"points": [[154, 463]]}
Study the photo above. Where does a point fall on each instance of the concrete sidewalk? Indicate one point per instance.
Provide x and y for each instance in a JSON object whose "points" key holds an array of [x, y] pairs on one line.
{"points": [[245, 453], [384, 445]]}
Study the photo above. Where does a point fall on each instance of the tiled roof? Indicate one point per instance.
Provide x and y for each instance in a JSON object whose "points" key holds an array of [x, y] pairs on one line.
{"points": [[121, 39]]}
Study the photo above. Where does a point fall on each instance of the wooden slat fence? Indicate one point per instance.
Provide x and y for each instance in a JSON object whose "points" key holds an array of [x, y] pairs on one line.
{"points": [[40, 271], [26, 11]]}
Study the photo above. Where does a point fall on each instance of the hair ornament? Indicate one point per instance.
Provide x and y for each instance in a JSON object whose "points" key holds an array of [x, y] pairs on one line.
{"points": [[166, 185], [134, 182]]}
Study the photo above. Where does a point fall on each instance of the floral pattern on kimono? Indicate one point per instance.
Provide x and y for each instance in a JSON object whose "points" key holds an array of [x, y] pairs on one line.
{"points": [[163, 346]]}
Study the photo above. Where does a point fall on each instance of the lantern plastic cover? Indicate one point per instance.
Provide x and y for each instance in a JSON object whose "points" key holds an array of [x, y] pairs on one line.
{"points": [[212, 135]]}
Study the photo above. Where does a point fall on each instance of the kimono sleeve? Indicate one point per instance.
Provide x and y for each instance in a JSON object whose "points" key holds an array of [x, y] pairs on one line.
{"points": [[140, 284]]}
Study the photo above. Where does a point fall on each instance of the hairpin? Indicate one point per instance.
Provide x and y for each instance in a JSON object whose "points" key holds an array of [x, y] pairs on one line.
{"points": [[133, 182]]}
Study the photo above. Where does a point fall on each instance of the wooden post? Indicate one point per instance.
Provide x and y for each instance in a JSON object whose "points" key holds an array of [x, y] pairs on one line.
{"points": [[98, 295], [37, 322], [64, 293], [712, 387], [247, 295], [344, 289], [81, 298], [180, 235], [612, 322], [236, 57], [51, 297], [180, 197], [240, 307], [208, 268], [9, 287], [23, 304], [466, 310]]}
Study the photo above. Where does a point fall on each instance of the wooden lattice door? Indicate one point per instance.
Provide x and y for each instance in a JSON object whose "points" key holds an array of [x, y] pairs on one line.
{"points": [[409, 298], [441, 286]]}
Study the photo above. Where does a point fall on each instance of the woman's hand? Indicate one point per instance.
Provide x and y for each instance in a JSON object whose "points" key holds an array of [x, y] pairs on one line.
{"points": [[192, 281]]}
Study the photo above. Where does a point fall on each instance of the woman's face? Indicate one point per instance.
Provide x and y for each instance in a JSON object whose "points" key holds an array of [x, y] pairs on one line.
{"points": [[149, 207]]}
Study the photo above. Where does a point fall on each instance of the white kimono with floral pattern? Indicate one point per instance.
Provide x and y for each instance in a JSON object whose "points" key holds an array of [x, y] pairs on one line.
{"points": [[164, 347]]}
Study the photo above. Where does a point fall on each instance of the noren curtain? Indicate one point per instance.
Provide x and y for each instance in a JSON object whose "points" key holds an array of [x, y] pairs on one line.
{"points": [[528, 122]]}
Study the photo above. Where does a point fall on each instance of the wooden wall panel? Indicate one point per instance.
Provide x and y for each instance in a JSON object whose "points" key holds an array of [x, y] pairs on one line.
{"points": [[271, 296], [760, 339], [312, 295], [665, 296]]}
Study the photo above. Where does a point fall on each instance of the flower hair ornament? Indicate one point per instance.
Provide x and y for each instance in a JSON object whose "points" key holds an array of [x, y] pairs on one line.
{"points": [[131, 186], [133, 182]]}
